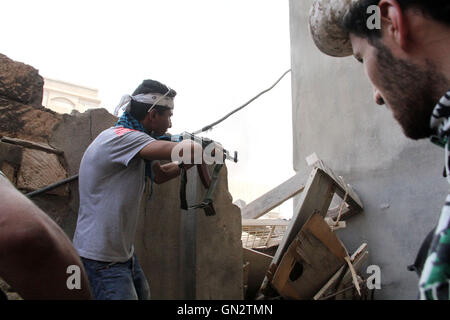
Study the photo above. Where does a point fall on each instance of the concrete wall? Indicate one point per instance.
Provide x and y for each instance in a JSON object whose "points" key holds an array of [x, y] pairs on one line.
{"points": [[398, 180], [186, 254], [73, 135]]}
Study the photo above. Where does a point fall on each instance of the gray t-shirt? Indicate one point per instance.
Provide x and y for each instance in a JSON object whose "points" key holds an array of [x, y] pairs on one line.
{"points": [[111, 183]]}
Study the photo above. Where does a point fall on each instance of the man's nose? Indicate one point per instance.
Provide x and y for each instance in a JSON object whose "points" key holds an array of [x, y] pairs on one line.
{"points": [[377, 97]]}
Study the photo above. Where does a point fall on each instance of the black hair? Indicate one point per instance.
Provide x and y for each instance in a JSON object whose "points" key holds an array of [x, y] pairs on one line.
{"points": [[138, 110], [152, 86], [355, 21]]}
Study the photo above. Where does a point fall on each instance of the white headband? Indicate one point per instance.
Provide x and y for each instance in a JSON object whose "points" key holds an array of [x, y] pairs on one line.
{"points": [[148, 98]]}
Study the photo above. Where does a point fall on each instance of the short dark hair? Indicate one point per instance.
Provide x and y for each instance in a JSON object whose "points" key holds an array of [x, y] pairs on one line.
{"points": [[138, 110], [153, 86], [355, 21]]}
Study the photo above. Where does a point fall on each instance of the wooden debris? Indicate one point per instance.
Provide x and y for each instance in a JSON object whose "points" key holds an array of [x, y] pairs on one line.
{"points": [[301, 245], [273, 198], [315, 198], [332, 224], [353, 274], [312, 258], [342, 278], [358, 259], [258, 265], [264, 222], [354, 204]]}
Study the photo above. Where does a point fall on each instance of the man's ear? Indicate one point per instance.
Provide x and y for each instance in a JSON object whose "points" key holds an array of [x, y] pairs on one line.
{"points": [[152, 113], [395, 22]]}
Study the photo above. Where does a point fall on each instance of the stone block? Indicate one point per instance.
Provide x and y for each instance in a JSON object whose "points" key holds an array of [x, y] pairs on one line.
{"points": [[20, 82], [18, 120], [9, 172], [40, 169], [10, 153]]}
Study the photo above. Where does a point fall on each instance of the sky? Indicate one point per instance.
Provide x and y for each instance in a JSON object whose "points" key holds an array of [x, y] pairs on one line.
{"points": [[217, 55]]}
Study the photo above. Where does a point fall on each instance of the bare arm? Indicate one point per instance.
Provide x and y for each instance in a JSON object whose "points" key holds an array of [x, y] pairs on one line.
{"points": [[162, 150], [166, 172], [34, 251]]}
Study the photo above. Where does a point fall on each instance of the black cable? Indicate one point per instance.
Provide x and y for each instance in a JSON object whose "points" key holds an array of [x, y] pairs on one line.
{"points": [[208, 127]]}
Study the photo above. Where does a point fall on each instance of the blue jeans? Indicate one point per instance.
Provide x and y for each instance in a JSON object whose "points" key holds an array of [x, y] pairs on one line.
{"points": [[117, 280]]}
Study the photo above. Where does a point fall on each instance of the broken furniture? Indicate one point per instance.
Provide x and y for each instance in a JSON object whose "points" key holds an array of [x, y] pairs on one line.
{"points": [[310, 261]]}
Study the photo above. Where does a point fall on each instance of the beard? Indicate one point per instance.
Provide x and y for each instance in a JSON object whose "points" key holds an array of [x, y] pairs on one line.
{"points": [[410, 91]]}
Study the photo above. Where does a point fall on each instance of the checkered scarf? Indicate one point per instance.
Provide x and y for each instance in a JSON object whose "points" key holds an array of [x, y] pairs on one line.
{"points": [[435, 279], [129, 122]]}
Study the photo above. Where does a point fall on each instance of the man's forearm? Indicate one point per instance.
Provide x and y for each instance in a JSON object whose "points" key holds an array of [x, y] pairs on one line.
{"points": [[35, 253]]}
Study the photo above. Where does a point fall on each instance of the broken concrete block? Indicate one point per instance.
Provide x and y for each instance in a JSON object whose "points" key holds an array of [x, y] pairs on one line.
{"points": [[75, 132], [9, 172], [40, 169], [10, 153], [22, 121], [20, 82]]}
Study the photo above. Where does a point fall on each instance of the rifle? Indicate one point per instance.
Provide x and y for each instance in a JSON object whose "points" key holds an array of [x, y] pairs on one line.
{"points": [[207, 203]]}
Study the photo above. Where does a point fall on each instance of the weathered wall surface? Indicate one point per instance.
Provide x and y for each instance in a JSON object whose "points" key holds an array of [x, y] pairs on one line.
{"points": [[399, 180], [219, 267], [73, 134], [184, 254]]}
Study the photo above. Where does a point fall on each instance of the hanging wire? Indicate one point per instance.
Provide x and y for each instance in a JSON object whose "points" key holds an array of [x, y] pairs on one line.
{"points": [[209, 127]]}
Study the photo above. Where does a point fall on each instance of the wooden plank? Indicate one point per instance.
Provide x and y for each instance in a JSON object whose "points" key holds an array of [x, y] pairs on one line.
{"points": [[264, 222], [334, 226], [259, 263], [347, 280], [315, 198], [355, 258], [332, 282], [32, 145], [353, 200], [345, 214], [273, 198], [312, 258]]}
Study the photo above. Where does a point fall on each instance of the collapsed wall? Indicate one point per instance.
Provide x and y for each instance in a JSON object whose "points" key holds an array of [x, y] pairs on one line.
{"points": [[182, 253]]}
